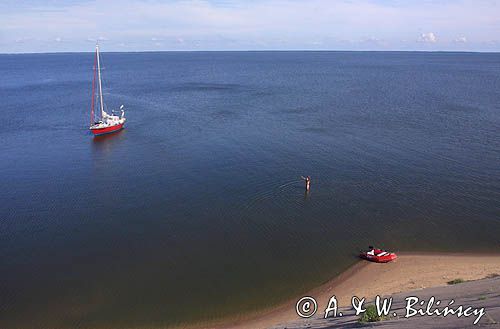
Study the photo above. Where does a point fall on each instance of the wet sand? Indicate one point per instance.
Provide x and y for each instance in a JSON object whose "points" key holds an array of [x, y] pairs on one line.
{"points": [[411, 271]]}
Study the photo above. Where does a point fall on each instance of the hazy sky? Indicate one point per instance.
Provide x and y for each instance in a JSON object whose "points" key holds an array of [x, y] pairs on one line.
{"points": [[130, 25]]}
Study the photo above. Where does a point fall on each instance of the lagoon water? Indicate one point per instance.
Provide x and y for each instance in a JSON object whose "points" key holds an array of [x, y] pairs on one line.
{"points": [[196, 210]]}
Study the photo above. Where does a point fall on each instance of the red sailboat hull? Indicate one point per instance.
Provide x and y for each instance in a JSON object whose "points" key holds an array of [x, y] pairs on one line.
{"points": [[107, 130]]}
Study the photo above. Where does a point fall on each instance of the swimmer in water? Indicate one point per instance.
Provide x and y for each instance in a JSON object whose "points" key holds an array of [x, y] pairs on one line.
{"points": [[308, 182]]}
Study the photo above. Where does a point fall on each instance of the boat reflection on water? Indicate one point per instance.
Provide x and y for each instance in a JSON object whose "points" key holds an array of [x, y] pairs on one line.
{"points": [[104, 144]]}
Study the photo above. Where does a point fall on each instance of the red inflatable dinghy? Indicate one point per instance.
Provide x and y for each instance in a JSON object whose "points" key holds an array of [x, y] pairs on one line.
{"points": [[378, 255]]}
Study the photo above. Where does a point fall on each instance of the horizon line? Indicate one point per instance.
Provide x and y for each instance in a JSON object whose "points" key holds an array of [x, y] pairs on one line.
{"points": [[256, 50]]}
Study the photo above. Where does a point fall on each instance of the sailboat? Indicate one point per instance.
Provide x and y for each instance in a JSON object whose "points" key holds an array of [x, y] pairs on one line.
{"points": [[103, 123]]}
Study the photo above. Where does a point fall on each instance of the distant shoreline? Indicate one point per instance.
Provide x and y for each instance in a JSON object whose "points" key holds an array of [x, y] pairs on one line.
{"points": [[411, 271]]}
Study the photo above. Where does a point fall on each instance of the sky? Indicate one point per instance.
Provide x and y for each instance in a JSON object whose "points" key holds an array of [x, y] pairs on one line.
{"points": [[155, 25]]}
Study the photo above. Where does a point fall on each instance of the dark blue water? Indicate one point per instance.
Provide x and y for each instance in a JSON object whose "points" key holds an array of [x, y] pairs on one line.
{"points": [[196, 210]]}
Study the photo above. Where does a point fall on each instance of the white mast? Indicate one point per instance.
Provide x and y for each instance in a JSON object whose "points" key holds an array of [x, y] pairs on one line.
{"points": [[100, 84]]}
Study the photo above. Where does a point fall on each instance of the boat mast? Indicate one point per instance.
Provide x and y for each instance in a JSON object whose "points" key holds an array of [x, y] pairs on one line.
{"points": [[100, 84], [92, 117]]}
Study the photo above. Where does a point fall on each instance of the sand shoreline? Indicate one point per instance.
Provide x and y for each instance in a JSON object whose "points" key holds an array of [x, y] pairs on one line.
{"points": [[411, 271]]}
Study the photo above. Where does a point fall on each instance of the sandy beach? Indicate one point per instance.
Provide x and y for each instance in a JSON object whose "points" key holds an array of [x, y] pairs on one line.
{"points": [[411, 271]]}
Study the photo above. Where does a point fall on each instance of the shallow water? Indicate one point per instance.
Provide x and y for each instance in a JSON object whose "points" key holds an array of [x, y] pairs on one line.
{"points": [[196, 210]]}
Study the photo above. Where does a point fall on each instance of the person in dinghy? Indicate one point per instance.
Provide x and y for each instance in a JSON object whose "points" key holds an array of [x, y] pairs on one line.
{"points": [[378, 255]]}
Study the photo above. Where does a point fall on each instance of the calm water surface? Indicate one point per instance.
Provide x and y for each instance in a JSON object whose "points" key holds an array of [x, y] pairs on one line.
{"points": [[196, 211]]}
